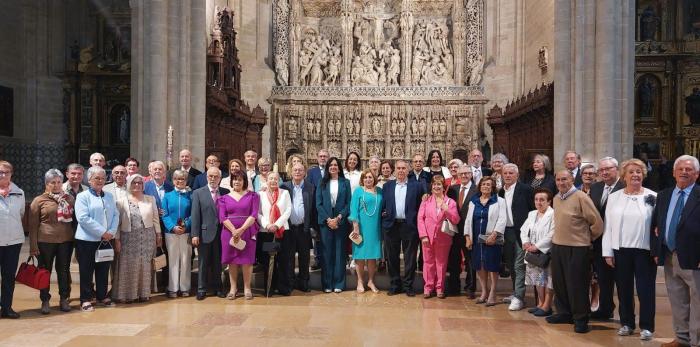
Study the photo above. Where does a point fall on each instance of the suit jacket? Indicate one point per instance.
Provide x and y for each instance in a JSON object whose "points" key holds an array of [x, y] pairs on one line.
{"points": [[308, 192], [597, 193], [453, 193], [205, 215], [192, 174], [150, 189], [414, 193], [425, 177], [523, 203], [324, 207], [314, 176], [200, 181], [687, 233], [578, 180], [430, 220], [484, 172]]}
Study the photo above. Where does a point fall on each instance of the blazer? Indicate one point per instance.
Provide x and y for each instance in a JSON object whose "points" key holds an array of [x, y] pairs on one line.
{"points": [[453, 193], [192, 173], [425, 177], [597, 194], [430, 220], [414, 193], [314, 176], [523, 203], [11, 215], [342, 203], [149, 214], [627, 231], [150, 189], [547, 182], [687, 232], [205, 215], [484, 172], [200, 181], [539, 232], [308, 192], [96, 214], [497, 218], [578, 180], [284, 203]]}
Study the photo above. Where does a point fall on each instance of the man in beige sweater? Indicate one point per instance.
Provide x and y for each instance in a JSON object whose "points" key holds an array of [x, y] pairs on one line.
{"points": [[578, 224]]}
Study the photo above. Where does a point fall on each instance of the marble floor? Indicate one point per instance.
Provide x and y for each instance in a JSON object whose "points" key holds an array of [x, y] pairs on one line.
{"points": [[304, 319]]}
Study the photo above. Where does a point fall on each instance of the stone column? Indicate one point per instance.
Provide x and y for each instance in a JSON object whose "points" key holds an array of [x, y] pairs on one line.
{"points": [[168, 77], [459, 40], [594, 67], [406, 44], [294, 40], [347, 23]]}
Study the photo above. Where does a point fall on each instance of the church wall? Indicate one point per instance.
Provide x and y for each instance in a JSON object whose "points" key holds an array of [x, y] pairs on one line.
{"points": [[539, 32]]}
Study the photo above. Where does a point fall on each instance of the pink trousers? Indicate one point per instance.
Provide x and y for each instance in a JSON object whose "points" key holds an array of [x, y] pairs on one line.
{"points": [[435, 265]]}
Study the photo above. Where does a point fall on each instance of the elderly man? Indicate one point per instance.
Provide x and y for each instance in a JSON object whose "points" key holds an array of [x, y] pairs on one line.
{"points": [[185, 158], [157, 187], [250, 157], [461, 193], [418, 174], [675, 245], [572, 162], [578, 224], [118, 186], [201, 180], [475, 160], [519, 202], [96, 159], [75, 175]]}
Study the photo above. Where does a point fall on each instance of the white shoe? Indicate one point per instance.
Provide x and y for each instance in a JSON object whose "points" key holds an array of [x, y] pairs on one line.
{"points": [[625, 331], [515, 304], [508, 299], [646, 335]]}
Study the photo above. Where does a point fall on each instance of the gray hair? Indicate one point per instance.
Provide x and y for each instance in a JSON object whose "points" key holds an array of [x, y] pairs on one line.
{"points": [[273, 174], [455, 161], [51, 174], [75, 166], [96, 154], [511, 166], [578, 156], [180, 173], [94, 170], [610, 159], [469, 167], [157, 162], [588, 166], [687, 157], [130, 181], [545, 160], [500, 156]]}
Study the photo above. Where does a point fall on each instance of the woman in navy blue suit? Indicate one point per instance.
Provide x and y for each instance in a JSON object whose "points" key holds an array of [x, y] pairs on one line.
{"points": [[333, 206]]}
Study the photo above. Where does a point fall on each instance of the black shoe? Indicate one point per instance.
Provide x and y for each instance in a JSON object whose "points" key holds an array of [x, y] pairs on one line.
{"points": [[532, 310], [9, 313], [471, 295], [581, 327], [201, 296], [284, 293], [410, 292], [542, 313], [315, 267], [220, 294], [304, 288], [559, 319], [394, 291], [601, 316]]}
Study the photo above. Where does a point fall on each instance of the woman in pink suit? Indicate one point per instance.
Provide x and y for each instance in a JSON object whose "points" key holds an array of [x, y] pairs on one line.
{"points": [[436, 239]]}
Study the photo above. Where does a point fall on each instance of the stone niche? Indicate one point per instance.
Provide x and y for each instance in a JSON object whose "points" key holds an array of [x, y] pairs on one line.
{"points": [[383, 77]]}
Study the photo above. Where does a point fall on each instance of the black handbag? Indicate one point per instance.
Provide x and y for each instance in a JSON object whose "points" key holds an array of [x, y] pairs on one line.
{"points": [[538, 259], [271, 247]]}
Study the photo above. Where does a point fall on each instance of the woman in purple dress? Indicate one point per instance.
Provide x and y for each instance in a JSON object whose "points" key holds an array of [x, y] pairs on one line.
{"points": [[238, 211]]}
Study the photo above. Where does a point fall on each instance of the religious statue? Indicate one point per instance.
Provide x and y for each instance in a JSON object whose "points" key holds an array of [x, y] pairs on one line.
{"points": [[476, 69], [692, 106], [124, 126], [646, 92], [648, 24]]}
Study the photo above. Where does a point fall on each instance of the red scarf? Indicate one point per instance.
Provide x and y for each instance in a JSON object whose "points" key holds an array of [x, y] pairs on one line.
{"points": [[275, 212]]}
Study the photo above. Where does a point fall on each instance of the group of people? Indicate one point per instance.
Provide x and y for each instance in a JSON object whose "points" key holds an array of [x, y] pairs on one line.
{"points": [[573, 235]]}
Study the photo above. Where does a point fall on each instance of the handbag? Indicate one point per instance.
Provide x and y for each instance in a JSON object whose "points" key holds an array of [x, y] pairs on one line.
{"points": [[357, 239], [271, 246], [33, 276], [538, 259], [104, 253], [448, 228], [160, 260], [240, 245], [500, 240]]}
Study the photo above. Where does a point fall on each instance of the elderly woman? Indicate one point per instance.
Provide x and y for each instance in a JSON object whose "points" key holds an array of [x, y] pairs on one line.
{"points": [[453, 165], [497, 162], [132, 166], [365, 215], [273, 216], [374, 164], [626, 242], [98, 220], [177, 205], [291, 161], [483, 230], [540, 174], [51, 235], [136, 242], [386, 170], [233, 166], [260, 180], [589, 175], [352, 170], [333, 206], [435, 165], [11, 236], [536, 235], [437, 220], [238, 212]]}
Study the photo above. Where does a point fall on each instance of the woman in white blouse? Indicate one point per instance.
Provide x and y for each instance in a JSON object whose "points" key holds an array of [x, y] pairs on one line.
{"points": [[273, 216], [626, 248], [352, 170], [536, 234]]}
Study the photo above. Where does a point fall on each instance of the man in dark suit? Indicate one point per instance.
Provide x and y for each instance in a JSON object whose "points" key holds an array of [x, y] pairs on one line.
{"points": [[461, 193], [418, 174], [402, 198], [475, 160], [519, 203], [572, 162], [185, 165], [610, 183], [314, 176], [206, 234], [301, 223], [157, 187], [675, 245], [250, 158], [201, 180]]}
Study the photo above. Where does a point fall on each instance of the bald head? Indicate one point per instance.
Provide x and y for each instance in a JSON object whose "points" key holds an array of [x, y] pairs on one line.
{"points": [[186, 159]]}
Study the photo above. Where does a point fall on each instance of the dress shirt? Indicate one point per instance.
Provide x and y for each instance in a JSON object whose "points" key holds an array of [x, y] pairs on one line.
{"points": [[509, 204], [354, 178], [322, 169], [673, 202], [250, 173], [476, 174], [214, 193], [334, 191], [606, 192], [574, 172], [464, 190], [400, 199], [297, 217], [627, 222], [160, 189]]}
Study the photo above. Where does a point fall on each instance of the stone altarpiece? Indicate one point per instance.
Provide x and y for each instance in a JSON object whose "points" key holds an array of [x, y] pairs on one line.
{"points": [[390, 78]]}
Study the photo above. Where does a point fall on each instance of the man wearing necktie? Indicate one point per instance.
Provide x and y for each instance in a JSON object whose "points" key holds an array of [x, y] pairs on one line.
{"points": [[611, 182], [675, 245], [475, 159], [461, 193]]}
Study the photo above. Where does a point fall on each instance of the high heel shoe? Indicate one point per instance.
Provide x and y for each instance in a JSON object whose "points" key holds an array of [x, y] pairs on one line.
{"points": [[373, 288], [360, 290], [248, 295]]}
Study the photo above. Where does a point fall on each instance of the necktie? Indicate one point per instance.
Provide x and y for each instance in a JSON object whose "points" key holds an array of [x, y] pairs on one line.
{"points": [[213, 194], [461, 197], [604, 198], [675, 219]]}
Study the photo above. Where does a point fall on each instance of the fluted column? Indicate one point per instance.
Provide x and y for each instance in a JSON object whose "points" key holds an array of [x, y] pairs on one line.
{"points": [[406, 41], [347, 23], [294, 41], [459, 42]]}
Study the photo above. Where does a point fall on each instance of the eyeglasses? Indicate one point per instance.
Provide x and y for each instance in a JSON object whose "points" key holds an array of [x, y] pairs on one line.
{"points": [[137, 182], [603, 169], [4, 173]]}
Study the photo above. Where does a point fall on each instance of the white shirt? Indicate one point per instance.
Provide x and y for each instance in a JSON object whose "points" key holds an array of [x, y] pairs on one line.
{"points": [[354, 178], [400, 199], [334, 191], [476, 174], [627, 221], [509, 203], [466, 188], [297, 217]]}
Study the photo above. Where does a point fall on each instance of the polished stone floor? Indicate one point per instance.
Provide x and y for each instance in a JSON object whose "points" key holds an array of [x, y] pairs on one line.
{"points": [[304, 319]]}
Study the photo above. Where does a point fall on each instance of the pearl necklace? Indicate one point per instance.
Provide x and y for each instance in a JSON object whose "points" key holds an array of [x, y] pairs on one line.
{"points": [[363, 205]]}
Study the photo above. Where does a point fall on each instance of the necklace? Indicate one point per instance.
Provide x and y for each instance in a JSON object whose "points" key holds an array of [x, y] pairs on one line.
{"points": [[363, 205]]}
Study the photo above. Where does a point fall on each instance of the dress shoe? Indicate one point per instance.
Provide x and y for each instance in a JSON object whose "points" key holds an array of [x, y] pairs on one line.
{"points": [[440, 295], [532, 310], [220, 294], [65, 306], [304, 289], [471, 295], [315, 267], [9, 313], [674, 343], [560, 319], [601, 316], [394, 291], [410, 292], [45, 307], [201, 296], [581, 327], [542, 313]]}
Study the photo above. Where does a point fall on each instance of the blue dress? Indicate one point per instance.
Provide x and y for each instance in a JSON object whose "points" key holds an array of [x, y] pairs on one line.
{"points": [[365, 208], [484, 257]]}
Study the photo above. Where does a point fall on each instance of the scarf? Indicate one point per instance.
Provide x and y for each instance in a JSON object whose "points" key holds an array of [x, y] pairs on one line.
{"points": [[183, 191], [64, 212], [275, 212]]}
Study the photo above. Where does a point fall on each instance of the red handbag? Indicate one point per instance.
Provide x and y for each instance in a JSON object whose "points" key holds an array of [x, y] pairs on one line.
{"points": [[32, 276]]}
